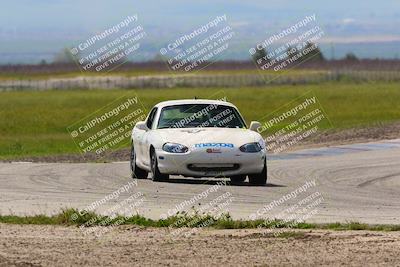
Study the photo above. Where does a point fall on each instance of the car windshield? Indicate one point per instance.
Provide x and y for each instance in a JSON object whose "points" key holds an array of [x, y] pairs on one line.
{"points": [[200, 115]]}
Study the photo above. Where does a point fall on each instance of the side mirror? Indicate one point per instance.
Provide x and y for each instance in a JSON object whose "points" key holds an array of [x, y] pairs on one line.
{"points": [[254, 125], [141, 125]]}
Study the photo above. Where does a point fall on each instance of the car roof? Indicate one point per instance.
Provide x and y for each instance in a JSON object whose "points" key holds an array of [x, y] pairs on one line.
{"points": [[193, 101]]}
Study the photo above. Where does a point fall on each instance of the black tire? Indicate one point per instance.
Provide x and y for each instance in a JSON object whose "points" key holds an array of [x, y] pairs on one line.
{"points": [[259, 178], [157, 176], [136, 172], [238, 178]]}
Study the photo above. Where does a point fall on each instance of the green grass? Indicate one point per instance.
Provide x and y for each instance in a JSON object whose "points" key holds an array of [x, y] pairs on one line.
{"points": [[34, 123], [70, 217]]}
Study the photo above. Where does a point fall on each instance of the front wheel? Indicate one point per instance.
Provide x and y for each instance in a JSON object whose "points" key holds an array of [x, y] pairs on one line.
{"points": [[157, 176], [136, 172], [259, 178]]}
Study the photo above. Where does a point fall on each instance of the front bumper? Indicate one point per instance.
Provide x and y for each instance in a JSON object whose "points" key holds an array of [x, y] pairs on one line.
{"points": [[200, 163]]}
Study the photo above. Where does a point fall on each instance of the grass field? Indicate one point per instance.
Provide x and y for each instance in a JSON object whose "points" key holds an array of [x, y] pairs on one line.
{"points": [[89, 219], [34, 123]]}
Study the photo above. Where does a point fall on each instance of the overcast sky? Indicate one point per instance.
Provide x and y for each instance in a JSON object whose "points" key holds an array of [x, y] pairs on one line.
{"points": [[96, 14], [51, 24]]}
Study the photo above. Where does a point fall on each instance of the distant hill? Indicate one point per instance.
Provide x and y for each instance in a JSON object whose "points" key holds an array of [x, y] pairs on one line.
{"points": [[32, 32]]}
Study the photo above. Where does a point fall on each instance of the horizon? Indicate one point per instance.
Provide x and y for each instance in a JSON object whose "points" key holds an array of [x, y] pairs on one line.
{"points": [[32, 31]]}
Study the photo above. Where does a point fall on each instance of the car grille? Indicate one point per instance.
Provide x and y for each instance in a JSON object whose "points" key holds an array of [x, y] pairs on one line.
{"points": [[212, 167]]}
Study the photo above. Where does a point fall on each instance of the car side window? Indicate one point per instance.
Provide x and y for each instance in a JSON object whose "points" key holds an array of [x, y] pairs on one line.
{"points": [[150, 119]]}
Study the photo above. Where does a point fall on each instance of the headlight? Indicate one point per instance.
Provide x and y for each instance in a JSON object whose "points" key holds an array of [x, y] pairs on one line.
{"points": [[251, 147], [175, 148]]}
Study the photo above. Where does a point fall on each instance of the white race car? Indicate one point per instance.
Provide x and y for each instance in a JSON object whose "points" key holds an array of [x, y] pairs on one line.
{"points": [[198, 138]]}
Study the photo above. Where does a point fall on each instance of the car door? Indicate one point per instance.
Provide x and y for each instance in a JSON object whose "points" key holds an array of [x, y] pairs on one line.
{"points": [[145, 145]]}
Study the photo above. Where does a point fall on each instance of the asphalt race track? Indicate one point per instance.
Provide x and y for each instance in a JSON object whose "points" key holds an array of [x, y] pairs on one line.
{"points": [[358, 182]]}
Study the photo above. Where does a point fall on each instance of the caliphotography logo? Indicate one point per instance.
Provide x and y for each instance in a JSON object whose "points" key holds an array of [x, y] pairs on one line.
{"points": [[200, 47], [110, 47], [108, 128], [301, 119]]}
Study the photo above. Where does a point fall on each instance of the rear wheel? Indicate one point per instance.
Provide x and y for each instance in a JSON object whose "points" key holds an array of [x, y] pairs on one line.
{"points": [[259, 178], [136, 172], [238, 178], [157, 176]]}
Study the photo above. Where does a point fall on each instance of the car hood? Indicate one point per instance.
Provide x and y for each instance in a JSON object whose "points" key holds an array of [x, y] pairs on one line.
{"points": [[191, 136]]}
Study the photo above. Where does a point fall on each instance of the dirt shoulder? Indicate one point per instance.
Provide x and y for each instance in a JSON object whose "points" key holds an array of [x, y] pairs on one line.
{"points": [[35, 245], [353, 135]]}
